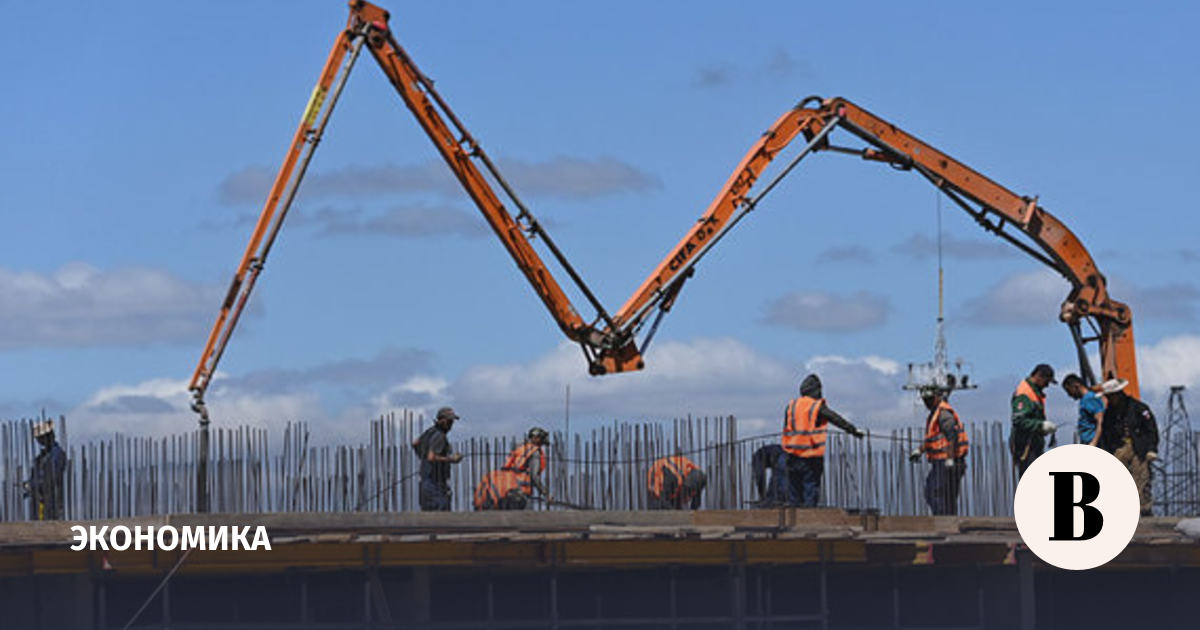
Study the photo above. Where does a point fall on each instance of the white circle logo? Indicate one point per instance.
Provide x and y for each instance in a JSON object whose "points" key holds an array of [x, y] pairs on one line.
{"points": [[1076, 507]]}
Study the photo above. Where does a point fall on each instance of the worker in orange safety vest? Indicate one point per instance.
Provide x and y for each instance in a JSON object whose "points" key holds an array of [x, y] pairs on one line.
{"points": [[945, 446], [805, 423], [673, 483], [511, 487]]}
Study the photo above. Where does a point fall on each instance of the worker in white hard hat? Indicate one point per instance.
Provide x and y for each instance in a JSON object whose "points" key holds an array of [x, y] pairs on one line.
{"points": [[45, 485], [1131, 435]]}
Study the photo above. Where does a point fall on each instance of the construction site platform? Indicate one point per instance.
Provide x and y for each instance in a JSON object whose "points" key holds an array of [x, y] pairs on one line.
{"points": [[560, 538]]}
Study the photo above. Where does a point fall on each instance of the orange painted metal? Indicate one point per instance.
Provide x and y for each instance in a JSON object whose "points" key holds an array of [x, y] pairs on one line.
{"points": [[715, 219], [609, 343], [1089, 294], [457, 153], [251, 262]]}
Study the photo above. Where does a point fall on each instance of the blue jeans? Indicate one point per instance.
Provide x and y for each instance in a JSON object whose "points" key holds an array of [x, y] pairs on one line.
{"points": [[941, 488], [434, 496], [804, 480]]}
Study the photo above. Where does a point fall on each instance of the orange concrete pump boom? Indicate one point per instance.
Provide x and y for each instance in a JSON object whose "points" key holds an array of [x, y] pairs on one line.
{"points": [[994, 207], [368, 25], [609, 341]]}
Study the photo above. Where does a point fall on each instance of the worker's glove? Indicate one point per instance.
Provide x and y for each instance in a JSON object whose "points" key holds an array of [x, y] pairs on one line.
{"points": [[915, 455], [1048, 427], [857, 432], [456, 457], [1151, 456]]}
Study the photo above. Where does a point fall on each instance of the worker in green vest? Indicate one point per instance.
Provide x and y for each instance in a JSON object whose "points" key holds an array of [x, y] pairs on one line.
{"points": [[1029, 424]]}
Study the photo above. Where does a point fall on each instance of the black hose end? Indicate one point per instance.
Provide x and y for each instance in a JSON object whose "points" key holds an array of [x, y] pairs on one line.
{"points": [[809, 99]]}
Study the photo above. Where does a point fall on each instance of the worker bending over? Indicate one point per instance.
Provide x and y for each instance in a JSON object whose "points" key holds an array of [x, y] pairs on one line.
{"points": [[511, 487], [773, 458], [673, 483], [1029, 424], [945, 447], [433, 449], [1130, 433], [805, 421]]}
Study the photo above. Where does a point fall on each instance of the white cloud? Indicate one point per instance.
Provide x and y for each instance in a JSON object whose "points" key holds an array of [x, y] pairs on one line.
{"points": [[856, 254], [703, 377], [353, 374], [162, 406], [1026, 299], [561, 176], [1172, 361], [828, 312], [1034, 298], [80, 305], [882, 365], [421, 394], [1166, 302], [402, 221], [922, 246]]}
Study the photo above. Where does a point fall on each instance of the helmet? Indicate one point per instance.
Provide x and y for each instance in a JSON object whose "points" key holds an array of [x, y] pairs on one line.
{"points": [[539, 433], [45, 427], [933, 391]]}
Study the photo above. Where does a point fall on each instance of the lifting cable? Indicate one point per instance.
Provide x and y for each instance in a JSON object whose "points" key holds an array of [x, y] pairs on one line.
{"points": [[161, 585]]}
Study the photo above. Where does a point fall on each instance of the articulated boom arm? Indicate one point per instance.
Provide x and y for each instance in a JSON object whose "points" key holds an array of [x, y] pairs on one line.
{"points": [[368, 24], [1001, 211], [609, 342], [994, 207]]}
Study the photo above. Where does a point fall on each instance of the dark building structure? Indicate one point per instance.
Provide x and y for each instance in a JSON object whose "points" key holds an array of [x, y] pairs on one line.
{"points": [[777, 569]]}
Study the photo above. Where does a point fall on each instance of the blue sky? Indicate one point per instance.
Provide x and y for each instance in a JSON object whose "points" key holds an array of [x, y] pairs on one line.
{"points": [[136, 142]]}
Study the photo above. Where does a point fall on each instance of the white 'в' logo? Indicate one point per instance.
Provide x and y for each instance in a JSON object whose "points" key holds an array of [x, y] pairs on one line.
{"points": [[1076, 507]]}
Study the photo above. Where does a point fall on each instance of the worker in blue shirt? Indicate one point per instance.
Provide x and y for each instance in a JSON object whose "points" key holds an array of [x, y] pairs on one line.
{"points": [[1091, 409]]}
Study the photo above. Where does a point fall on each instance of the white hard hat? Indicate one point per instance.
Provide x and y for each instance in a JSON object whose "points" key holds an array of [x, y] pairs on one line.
{"points": [[44, 427], [1113, 385]]}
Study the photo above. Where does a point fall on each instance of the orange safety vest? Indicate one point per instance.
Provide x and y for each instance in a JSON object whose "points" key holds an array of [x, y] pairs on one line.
{"points": [[518, 460], [803, 429], [514, 475], [937, 447], [677, 465], [1025, 389]]}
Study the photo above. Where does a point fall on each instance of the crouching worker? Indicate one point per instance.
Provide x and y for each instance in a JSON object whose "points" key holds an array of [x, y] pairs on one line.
{"points": [[773, 458], [946, 448], [511, 487], [674, 483]]}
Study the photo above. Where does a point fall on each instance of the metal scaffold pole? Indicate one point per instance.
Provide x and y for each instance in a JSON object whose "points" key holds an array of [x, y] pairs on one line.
{"points": [[1178, 487]]}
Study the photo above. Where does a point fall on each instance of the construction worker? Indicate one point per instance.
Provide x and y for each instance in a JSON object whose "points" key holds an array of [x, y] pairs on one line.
{"points": [[45, 486], [673, 482], [1029, 424], [433, 447], [770, 457], [1131, 435], [805, 421], [510, 487], [1091, 409], [945, 447]]}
